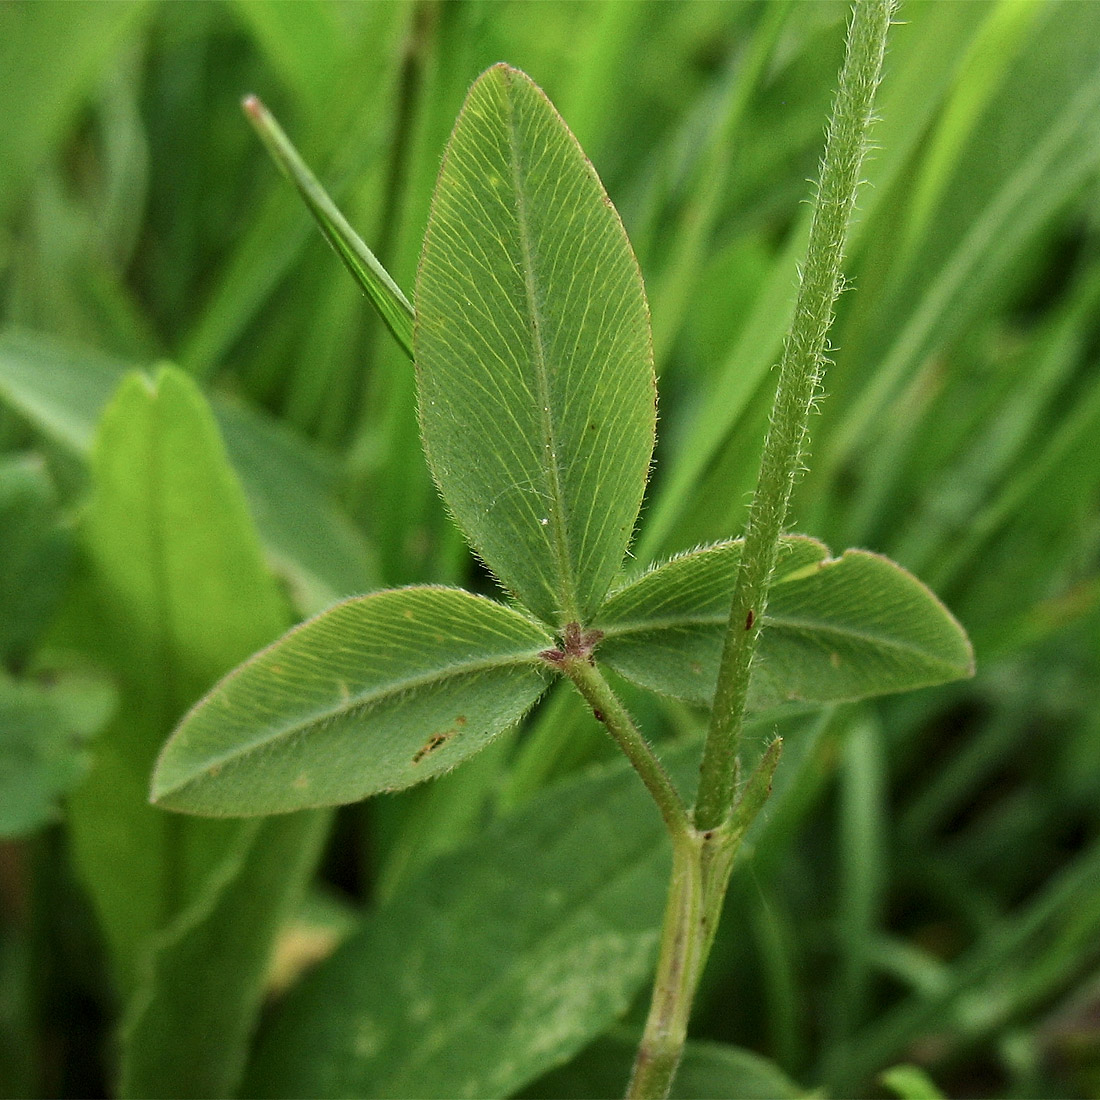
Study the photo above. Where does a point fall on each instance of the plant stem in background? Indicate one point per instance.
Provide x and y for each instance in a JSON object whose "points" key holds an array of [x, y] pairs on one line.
{"points": [[800, 372]]}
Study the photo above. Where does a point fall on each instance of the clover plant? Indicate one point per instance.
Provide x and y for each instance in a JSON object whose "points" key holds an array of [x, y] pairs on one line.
{"points": [[537, 405]]}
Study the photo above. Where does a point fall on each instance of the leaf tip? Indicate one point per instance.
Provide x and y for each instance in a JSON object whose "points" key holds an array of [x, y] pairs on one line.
{"points": [[253, 107]]}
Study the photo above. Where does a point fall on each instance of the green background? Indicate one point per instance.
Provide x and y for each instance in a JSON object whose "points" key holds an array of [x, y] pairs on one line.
{"points": [[926, 887]]}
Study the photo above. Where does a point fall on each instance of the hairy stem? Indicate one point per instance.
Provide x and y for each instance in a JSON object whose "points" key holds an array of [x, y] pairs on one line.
{"points": [[800, 370], [702, 862], [704, 852], [605, 704], [701, 866]]}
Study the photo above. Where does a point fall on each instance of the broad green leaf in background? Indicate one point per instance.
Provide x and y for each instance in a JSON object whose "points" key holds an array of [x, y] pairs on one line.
{"points": [[836, 629], [533, 353], [187, 1031], [35, 554], [498, 962], [375, 694], [177, 592], [44, 730], [63, 392]]}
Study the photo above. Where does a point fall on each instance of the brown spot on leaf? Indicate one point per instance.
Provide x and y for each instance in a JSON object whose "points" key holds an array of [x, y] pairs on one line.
{"points": [[834, 659], [433, 743]]}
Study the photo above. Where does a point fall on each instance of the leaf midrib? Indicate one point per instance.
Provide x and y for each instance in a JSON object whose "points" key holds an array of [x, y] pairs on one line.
{"points": [[559, 541], [782, 622], [360, 702]]}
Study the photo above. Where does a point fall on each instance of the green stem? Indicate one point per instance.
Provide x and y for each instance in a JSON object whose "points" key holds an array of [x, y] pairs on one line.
{"points": [[800, 370], [702, 862], [605, 704], [678, 969]]}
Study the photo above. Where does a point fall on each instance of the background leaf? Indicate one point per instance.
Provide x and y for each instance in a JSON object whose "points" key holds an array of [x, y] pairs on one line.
{"points": [[31, 38], [187, 1032], [63, 392], [717, 1071], [497, 962], [533, 352], [374, 694], [35, 555], [44, 730], [836, 629], [174, 566]]}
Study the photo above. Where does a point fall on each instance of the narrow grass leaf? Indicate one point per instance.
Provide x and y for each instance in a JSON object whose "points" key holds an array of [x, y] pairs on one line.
{"points": [[382, 292], [375, 694], [533, 353], [498, 962], [836, 629]]}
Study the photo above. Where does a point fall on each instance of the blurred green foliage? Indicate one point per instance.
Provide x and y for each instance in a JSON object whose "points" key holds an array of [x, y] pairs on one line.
{"points": [[927, 887]]}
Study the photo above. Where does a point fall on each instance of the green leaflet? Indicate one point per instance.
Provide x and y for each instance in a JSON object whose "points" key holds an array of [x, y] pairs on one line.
{"points": [[495, 964], [533, 353], [375, 694], [836, 629]]}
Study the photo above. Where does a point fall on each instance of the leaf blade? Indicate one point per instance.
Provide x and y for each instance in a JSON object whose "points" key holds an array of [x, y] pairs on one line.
{"points": [[429, 675], [554, 913], [365, 268], [176, 591], [836, 629], [63, 391], [186, 1032], [533, 352]]}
